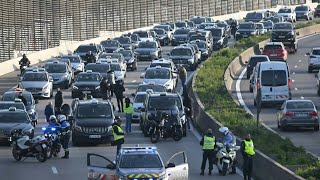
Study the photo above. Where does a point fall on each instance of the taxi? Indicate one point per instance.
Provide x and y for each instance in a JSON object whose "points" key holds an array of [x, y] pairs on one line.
{"points": [[138, 163]]}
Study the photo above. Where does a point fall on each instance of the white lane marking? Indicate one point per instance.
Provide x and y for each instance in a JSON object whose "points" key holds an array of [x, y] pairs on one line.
{"points": [[294, 73], [299, 60], [134, 80], [295, 66], [296, 89], [238, 90], [54, 170], [292, 80], [302, 97]]}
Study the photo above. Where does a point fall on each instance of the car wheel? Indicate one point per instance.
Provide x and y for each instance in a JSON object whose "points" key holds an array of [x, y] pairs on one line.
{"points": [[318, 92], [283, 128], [316, 128], [66, 85], [248, 75], [251, 89], [309, 69], [254, 102], [51, 94], [278, 123], [73, 96]]}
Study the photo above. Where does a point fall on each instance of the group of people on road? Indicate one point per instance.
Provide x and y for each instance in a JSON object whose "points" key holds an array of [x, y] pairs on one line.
{"points": [[208, 143]]}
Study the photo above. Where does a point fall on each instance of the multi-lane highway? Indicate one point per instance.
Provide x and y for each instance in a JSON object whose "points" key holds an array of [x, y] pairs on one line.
{"points": [[304, 85], [75, 167]]}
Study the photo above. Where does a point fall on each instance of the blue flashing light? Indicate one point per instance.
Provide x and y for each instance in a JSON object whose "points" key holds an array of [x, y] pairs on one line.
{"points": [[150, 178], [135, 179], [43, 129], [53, 129]]}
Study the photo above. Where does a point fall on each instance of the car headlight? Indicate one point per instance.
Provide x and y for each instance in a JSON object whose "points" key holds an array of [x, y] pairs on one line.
{"points": [[162, 37], [31, 112], [205, 52], [136, 53], [253, 32], [237, 33], [167, 84], [131, 60], [77, 128], [173, 37], [153, 53], [28, 131], [190, 60], [220, 41], [98, 87], [291, 33], [46, 87], [75, 87], [123, 177], [305, 13], [65, 76]]}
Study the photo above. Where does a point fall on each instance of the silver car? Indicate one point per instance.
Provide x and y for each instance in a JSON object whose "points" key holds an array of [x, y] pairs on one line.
{"points": [[76, 62], [313, 59], [139, 99], [61, 74], [38, 82], [162, 76], [298, 113]]}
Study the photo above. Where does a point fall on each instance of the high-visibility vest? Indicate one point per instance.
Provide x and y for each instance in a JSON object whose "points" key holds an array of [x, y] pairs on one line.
{"points": [[208, 142], [248, 147], [116, 136], [128, 110]]}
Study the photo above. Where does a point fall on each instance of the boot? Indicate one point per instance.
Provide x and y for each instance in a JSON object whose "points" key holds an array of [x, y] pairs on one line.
{"points": [[202, 172], [209, 172], [66, 155]]}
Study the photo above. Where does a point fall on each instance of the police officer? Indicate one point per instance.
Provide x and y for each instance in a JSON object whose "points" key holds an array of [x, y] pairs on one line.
{"points": [[183, 78], [90, 57], [118, 134], [65, 135], [228, 140], [208, 143], [234, 27], [24, 62], [104, 88], [247, 150]]}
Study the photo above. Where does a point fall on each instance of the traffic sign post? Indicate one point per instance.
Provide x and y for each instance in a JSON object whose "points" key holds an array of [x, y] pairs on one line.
{"points": [[258, 106]]}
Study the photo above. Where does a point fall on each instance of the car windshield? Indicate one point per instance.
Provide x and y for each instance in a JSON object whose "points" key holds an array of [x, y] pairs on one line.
{"points": [[201, 44], [275, 19], [181, 24], [101, 68], [190, 24], [134, 37], [109, 44], [246, 26], [301, 8], [126, 53], [115, 67], [216, 32], [182, 31], [157, 74], [55, 68], [221, 25], [267, 23], [284, 10], [72, 58], [272, 47], [110, 55], [282, 26], [318, 7], [35, 77], [88, 77], [193, 38], [8, 105], [164, 103], [18, 117], [181, 52], [316, 52], [198, 20], [13, 96], [147, 45], [273, 78], [94, 111], [260, 26], [142, 34], [254, 60], [140, 98], [140, 161], [254, 16], [155, 88], [167, 65], [166, 28], [300, 105], [124, 40], [85, 49], [159, 31]]}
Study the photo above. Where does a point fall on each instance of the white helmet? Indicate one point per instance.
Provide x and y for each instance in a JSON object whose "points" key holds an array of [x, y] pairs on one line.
{"points": [[62, 118], [224, 130]]}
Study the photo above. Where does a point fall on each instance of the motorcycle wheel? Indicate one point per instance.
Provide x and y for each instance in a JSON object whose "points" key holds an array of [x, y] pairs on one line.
{"points": [[155, 136], [16, 155], [184, 127], [42, 156], [50, 151], [224, 168], [177, 136]]}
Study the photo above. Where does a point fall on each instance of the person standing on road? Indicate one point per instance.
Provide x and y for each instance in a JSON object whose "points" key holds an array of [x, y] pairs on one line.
{"points": [[90, 57], [104, 88], [128, 110], [183, 78], [58, 101], [247, 150], [118, 134], [187, 103], [118, 91], [208, 143], [111, 81], [48, 111], [65, 137]]}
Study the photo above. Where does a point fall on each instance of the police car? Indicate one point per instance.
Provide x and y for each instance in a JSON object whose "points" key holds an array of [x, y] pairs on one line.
{"points": [[138, 163], [161, 75]]}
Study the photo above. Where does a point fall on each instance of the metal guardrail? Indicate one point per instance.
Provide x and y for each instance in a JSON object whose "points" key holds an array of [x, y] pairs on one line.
{"points": [[34, 25]]}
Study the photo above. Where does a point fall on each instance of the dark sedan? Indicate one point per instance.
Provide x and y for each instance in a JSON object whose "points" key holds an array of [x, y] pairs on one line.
{"points": [[110, 45], [87, 83], [148, 50], [125, 42]]}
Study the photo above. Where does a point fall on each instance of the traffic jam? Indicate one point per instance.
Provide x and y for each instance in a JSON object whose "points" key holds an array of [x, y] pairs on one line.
{"points": [[95, 75]]}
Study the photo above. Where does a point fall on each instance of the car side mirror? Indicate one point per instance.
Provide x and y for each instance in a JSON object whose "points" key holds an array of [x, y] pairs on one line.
{"points": [[142, 109], [111, 166], [316, 75], [246, 62], [123, 70], [36, 101], [117, 117], [168, 54], [307, 54], [298, 33], [170, 165], [186, 109], [142, 75], [70, 118], [133, 94]]}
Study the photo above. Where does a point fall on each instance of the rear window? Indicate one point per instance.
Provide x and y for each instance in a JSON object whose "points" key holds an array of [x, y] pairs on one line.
{"points": [[300, 105], [316, 52], [274, 78], [140, 98], [254, 60], [272, 47], [254, 16], [16, 105]]}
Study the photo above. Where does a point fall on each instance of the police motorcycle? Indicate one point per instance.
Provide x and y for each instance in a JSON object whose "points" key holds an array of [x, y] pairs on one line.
{"points": [[52, 134], [23, 146], [157, 122]]}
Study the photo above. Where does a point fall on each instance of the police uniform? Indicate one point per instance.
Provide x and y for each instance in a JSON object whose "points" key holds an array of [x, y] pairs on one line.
{"points": [[247, 150], [208, 144], [65, 131]]}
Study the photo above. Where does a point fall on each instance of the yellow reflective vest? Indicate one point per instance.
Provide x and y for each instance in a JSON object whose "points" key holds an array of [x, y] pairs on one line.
{"points": [[116, 136], [128, 110], [208, 142], [248, 147]]}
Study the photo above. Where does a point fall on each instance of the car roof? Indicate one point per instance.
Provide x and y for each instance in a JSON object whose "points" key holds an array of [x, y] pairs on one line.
{"points": [[274, 43], [141, 93], [10, 111], [89, 73], [165, 94], [93, 101], [17, 91], [167, 61], [182, 47], [70, 55], [259, 55], [139, 150], [300, 100], [316, 48]]}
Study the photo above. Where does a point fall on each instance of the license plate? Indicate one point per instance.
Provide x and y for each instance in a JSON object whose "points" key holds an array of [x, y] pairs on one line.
{"points": [[144, 55], [86, 92], [273, 54], [94, 136], [301, 114], [226, 161], [281, 36], [43, 145], [244, 35]]}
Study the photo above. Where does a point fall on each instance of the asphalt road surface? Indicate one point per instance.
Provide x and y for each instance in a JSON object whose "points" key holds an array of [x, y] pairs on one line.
{"points": [[75, 167], [304, 85]]}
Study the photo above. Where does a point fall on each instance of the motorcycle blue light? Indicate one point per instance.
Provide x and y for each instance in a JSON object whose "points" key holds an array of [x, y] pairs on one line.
{"points": [[53, 129], [43, 129]]}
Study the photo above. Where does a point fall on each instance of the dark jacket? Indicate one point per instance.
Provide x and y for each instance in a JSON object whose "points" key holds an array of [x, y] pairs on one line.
{"points": [[115, 130], [90, 58], [202, 140], [58, 100], [24, 100], [48, 111], [103, 86], [66, 109], [24, 61], [119, 89]]}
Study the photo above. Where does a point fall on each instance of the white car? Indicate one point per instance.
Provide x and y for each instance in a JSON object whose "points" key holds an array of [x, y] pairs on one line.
{"points": [[139, 99], [314, 59], [119, 71], [162, 76], [261, 29], [288, 13], [165, 63], [38, 82]]}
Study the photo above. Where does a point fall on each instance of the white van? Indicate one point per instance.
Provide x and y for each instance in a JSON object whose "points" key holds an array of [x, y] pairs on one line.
{"points": [[272, 78]]}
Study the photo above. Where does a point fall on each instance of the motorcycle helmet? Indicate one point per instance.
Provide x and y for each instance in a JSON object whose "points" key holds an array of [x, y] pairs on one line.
{"points": [[224, 130], [53, 119], [62, 118]]}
